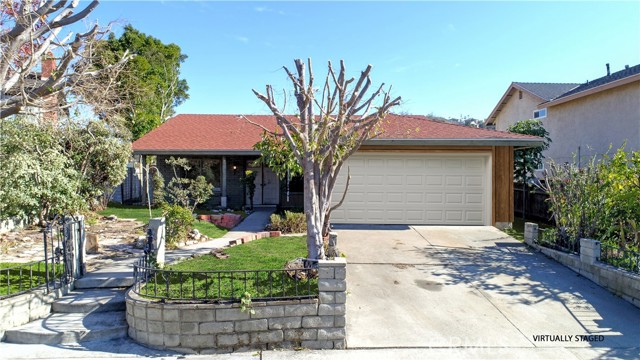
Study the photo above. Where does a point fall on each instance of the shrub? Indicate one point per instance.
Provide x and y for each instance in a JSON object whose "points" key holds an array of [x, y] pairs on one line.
{"points": [[291, 222], [597, 201], [179, 223], [158, 189]]}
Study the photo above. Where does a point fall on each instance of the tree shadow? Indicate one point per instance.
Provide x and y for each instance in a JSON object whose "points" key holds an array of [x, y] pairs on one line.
{"points": [[509, 275]]}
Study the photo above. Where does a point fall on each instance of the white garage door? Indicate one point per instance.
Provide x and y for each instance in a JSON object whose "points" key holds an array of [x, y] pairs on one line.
{"points": [[402, 188]]}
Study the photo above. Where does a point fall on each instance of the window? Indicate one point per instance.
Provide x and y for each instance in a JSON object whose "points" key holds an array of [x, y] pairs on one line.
{"points": [[539, 114]]}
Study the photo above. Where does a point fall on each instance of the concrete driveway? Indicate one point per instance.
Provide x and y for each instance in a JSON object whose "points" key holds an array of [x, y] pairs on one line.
{"points": [[474, 287]]}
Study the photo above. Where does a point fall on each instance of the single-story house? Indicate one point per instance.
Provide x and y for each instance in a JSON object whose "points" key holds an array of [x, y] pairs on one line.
{"points": [[418, 171], [583, 120]]}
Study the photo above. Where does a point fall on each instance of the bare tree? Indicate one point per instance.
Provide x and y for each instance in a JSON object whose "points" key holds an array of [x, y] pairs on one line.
{"points": [[326, 131], [30, 32]]}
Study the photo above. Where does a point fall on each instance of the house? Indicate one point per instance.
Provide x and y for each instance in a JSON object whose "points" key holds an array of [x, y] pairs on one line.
{"points": [[419, 171], [584, 120]]}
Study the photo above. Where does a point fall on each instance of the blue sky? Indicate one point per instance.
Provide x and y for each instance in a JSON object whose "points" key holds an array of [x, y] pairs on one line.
{"points": [[443, 58]]}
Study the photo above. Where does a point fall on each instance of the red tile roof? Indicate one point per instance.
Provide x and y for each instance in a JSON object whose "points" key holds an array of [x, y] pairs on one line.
{"points": [[190, 132]]}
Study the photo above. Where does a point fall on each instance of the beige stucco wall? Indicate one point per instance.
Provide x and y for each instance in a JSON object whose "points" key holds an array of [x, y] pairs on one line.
{"points": [[594, 122], [517, 109]]}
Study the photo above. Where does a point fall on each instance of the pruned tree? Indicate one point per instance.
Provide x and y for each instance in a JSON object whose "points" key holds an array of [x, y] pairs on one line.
{"points": [[40, 67], [326, 130]]}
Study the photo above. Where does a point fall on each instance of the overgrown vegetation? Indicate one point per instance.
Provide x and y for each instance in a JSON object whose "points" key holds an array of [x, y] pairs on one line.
{"points": [[290, 222], [597, 201], [48, 169]]}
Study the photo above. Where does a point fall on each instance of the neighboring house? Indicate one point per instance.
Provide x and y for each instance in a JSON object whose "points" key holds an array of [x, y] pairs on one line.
{"points": [[582, 119], [419, 171], [44, 109]]}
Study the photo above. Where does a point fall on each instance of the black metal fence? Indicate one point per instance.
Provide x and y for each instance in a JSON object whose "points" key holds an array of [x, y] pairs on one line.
{"points": [[622, 258], [61, 239], [223, 286], [559, 240], [24, 277]]}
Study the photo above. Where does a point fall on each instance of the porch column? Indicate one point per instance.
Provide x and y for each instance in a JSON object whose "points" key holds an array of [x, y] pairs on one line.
{"points": [[223, 197]]}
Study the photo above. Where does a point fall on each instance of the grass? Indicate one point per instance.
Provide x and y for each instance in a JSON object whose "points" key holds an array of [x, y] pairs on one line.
{"points": [[213, 279], [141, 213], [18, 277], [517, 230]]}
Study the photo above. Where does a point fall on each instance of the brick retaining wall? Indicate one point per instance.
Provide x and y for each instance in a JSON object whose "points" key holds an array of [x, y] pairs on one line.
{"points": [[218, 328]]}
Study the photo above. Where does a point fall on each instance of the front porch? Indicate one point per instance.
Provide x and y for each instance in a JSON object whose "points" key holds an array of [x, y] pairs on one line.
{"points": [[224, 173]]}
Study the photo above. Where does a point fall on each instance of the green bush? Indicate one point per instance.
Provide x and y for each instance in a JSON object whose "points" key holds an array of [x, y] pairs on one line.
{"points": [[597, 201], [179, 223], [158, 189], [291, 222]]}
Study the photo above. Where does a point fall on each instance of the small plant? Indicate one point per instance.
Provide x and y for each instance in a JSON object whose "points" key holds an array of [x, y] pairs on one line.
{"points": [[290, 222], [158, 189], [179, 223], [249, 181], [246, 306]]}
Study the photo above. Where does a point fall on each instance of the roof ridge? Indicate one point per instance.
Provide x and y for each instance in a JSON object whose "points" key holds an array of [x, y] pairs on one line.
{"points": [[424, 117]]}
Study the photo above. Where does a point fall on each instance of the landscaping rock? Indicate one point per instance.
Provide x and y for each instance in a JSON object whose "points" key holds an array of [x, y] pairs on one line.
{"points": [[111, 218], [92, 243], [140, 242], [294, 270]]}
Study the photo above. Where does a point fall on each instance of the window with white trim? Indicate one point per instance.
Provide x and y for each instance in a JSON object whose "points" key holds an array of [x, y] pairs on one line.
{"points": [[539, 114]]}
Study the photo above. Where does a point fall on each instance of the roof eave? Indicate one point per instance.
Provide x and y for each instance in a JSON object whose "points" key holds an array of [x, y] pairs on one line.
{"points": [[186, 152], [591, 91], [457, 142]]}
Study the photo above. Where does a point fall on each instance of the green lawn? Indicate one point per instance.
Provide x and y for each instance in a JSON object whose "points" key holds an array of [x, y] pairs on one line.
{"points": [[210, 278], [141, 213], [517, 231], [17, 277]]}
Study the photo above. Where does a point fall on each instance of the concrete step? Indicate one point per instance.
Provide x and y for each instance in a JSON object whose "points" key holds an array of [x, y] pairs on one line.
{"points": [[101, 282], [90, 300], [70, 328]]}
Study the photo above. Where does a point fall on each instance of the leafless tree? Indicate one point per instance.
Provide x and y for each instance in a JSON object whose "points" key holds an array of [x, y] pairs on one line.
{"points": [[31, 37], [327, 130]]}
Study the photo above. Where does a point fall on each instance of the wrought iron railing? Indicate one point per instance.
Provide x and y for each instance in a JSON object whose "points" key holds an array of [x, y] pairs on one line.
{"points": [[57, 267], [622, 258], [558, 240], [223, 286], [24, 277]]}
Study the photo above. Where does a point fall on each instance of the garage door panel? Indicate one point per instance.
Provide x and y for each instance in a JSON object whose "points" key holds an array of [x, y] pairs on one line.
{"points": [[414, 189], [454, 180]]}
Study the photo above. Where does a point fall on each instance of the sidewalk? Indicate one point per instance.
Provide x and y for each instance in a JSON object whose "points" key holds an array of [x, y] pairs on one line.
{"points": [[255, 222], [127, 349]]}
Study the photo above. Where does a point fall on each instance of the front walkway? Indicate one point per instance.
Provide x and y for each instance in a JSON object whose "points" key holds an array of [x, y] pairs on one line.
{"points": [[475, 288]]}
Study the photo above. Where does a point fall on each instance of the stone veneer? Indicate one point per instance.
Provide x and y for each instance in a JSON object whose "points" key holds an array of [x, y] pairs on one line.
{"points": [[317, 323]]}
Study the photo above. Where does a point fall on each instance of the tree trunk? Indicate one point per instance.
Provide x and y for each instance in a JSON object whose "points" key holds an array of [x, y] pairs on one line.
{"points": [[315, 248]]}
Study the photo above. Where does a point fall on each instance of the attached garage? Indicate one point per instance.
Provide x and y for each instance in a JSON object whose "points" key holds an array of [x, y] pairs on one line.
{"points": [[416, 171], [415, 188]]}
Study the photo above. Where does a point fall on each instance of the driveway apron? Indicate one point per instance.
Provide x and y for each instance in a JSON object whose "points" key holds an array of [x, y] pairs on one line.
{"points": [[429, 286]]}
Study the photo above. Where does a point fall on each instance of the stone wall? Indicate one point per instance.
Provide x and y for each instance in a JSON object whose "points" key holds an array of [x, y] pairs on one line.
{"points": [[218, 328], [620, 282], [22, 309]]}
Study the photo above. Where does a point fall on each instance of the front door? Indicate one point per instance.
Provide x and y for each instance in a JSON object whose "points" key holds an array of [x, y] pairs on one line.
{"points": [[267, 187]]}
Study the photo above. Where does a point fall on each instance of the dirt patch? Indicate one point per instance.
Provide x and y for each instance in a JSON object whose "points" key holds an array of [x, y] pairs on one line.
{"points": [[116, 238], [403, 266]]}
